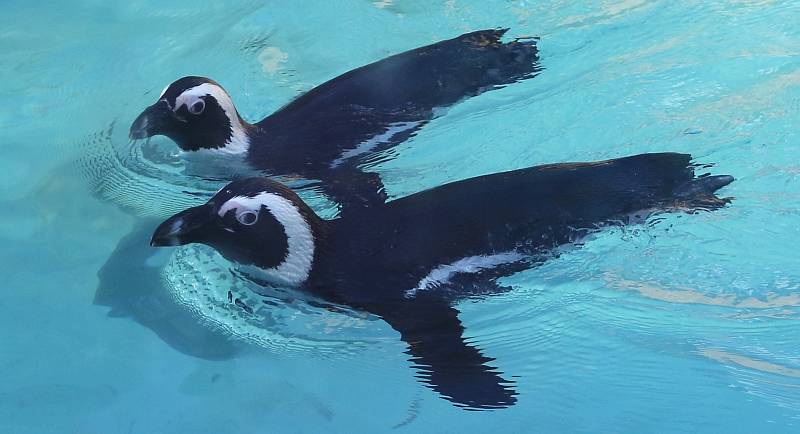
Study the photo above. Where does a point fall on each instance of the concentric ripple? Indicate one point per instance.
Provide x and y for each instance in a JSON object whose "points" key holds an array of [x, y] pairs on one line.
{"points": [[153, 179], [204, 283]]}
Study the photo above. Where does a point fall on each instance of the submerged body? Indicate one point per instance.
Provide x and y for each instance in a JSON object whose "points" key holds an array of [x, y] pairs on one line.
{"points": [[325, 133], [400, 261]]}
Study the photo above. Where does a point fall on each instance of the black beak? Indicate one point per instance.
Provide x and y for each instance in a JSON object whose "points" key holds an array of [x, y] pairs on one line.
{"points": [[188, 226], [152, 121]]}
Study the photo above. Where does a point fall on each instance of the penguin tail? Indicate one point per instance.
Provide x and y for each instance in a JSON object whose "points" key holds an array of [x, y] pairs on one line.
{"points": [[699, 194], [503, 62], [670, 180]]}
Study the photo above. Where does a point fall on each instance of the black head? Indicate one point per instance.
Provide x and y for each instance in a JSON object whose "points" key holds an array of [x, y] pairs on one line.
{"points": [[196, 113], [255, 222]]}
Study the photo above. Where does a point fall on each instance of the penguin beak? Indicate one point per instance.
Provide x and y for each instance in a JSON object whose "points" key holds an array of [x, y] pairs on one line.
{"points": [[153, 120], [188, 226]]}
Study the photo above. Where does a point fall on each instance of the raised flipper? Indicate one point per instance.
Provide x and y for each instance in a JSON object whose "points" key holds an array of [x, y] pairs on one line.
{"points": [[444, 360], [353, 189]]}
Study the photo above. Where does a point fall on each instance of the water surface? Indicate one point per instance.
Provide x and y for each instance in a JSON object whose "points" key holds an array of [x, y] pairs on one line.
{"points": [[688, 323]]}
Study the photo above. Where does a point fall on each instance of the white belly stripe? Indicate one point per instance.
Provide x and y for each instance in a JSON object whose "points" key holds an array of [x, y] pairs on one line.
{"points": [[470, 264], [369, 144]]}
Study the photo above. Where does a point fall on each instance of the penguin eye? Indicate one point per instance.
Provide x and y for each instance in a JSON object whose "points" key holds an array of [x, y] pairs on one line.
{"points": [[197, 107], [247, 218]]}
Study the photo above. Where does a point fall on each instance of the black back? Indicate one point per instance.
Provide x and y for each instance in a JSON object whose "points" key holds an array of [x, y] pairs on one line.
{"points": [[373, 259], [313, 130], [532, 209]]}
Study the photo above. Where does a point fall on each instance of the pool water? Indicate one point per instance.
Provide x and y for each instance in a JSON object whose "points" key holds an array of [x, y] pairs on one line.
{"points": [[688, 323]]}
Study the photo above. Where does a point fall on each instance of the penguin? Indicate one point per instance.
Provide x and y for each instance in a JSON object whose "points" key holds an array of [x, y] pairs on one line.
{"points": [[325, 133], [411, 259]]}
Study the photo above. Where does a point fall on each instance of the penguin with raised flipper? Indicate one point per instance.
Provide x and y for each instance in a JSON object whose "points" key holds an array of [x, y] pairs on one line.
{"points": [[406, 261]]}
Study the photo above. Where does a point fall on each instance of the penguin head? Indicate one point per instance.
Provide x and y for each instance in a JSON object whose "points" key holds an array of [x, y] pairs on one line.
{"points": [[254, 222], [196, 113]]}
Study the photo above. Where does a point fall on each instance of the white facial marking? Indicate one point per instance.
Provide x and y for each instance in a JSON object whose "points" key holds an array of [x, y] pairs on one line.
{"points": [[238, 142], [470, 264], [369, 144], [295, 269]]}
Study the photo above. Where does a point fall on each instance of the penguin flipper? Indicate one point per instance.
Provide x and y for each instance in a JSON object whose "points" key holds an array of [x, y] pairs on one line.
{"points": [[351, 188], [444, 360]]}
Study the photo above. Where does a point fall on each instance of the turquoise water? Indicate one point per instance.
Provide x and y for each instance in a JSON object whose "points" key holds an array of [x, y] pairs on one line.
{"points": [[686, 324]]}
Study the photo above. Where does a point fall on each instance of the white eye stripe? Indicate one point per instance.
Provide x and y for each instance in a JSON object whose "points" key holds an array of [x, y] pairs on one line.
{"points": [[238, 142], [188, 101], [295, 269], [193, 94], [239, 204]]}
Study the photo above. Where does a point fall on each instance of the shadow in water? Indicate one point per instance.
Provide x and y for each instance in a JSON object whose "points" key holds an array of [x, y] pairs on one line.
{"points": [[132, 286]]}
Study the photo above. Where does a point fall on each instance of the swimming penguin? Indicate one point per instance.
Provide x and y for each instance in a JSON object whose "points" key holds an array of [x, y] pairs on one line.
{"points": [[324, 133], [409, 260]]}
